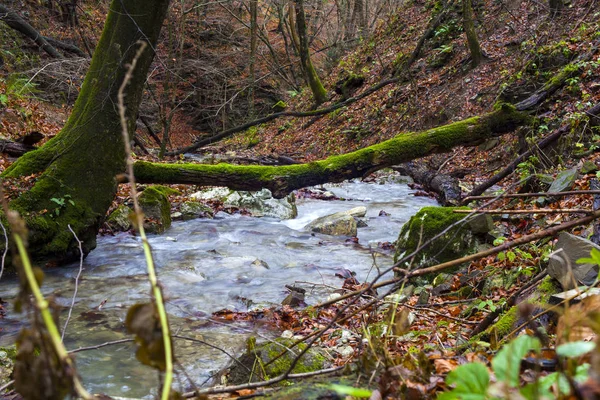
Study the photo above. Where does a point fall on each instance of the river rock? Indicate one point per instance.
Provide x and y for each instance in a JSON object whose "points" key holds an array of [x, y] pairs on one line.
{"points": [[194, 209], [313, 360], [118, 220], [7, 360], [259, 204], [342, 223], [155, 204], [459, 241], [563, 265]]}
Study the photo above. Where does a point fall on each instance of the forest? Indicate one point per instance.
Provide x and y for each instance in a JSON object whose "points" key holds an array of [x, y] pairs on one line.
{"points": [[300, 199]]}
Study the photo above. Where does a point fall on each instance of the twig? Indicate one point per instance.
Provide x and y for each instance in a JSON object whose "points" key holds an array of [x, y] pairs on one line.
{"points": [[5, 249], [98, 346], [214, 347], [156, 292], [445, 315], [533, 211], [6, 385], [543, 194], [62, 337], [253, 385]]}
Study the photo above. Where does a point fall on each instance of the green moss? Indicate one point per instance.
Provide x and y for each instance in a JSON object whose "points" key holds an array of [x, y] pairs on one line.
{"points": [[547, 287], [259, 360], [156, 207], [427, 223], [506, 323]]}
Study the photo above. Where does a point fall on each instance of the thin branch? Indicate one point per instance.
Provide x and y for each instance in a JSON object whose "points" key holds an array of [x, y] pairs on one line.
{"points": [[532, 211], [62, 337], [156, 292], [542, 194], [5, 249], [98, 346], [254, 385]]}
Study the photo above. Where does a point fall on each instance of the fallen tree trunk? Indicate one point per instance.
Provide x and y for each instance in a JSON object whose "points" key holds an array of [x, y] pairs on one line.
{"points": [[14, 149], [445, 186], [282, 180], [13, 20]]}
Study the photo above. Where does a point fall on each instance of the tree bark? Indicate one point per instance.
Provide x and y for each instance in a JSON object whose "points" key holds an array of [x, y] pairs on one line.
{"points": [[469, 27], [81, 162], [13, 20], [284, 179], [445, 186], [312, 78]]}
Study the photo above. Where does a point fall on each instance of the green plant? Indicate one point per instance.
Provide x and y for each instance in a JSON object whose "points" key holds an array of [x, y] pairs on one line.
{"points": [[61, 204], [472, 381]]}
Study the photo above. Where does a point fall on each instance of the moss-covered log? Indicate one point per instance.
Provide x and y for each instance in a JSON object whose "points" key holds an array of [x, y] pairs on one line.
{"points": [[76, 169], [283, 179]]}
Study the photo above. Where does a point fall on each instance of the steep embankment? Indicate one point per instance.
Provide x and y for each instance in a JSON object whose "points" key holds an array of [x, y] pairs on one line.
{"points": [[524, 48]]}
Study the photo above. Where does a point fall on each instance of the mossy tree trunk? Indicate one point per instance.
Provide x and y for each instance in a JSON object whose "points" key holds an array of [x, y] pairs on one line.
{"points": [[283, 179], [312, 78], [469, 27], [76, 169]]}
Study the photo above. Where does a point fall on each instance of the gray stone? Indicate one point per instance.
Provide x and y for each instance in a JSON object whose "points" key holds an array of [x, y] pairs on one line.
{"points": [[260, 263], [336, 225], [259, 204], [119, 220], [342, 223], [564, 181], [344, 351], [195, 209], [481, 224], [588, 167], [563, 265], [574, 295], [489, 144]]}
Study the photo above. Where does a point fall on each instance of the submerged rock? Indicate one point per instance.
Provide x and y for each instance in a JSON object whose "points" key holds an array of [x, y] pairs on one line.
{"points": [[342, 223], [259, 204], [245, 370], [563, 265]]}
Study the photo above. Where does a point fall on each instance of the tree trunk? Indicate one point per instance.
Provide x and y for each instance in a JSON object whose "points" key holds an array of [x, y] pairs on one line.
{"points": [[319, 92], [253, 45], [469, 27], [79, 165], [284, 179]]}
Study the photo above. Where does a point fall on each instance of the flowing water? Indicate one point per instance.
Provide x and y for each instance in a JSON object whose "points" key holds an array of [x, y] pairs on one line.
{"points": [[207, 265]]}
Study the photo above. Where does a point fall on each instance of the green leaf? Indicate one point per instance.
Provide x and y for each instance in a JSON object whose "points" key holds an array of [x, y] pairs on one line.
{"points": [[471, 382], [575, 349], [3, 99], [511, 256], [507, 363], [350, 391], [501, 256], [593, 259]]}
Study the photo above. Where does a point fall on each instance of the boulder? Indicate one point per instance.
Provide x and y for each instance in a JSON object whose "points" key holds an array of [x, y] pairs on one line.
{"points": [[118, 220], [155, 204], [255, 365], [342, 223], [460, 240], [194, 209], [259, 204], [563, 265]]}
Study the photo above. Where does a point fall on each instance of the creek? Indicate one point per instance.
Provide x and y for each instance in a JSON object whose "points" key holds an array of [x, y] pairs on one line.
{"points": [[205, 265]]}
